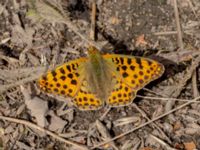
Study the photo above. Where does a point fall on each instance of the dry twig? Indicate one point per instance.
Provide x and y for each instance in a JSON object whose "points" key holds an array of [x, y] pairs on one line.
{"points": [[178, 26], [31, 125]]}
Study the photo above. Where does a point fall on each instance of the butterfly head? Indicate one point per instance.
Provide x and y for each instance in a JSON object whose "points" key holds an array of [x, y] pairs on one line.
{"points": [[92, 50]]}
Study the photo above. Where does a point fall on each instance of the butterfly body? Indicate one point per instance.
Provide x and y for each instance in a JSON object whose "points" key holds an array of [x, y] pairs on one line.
{"points": [[99, 75], [99, 80]]}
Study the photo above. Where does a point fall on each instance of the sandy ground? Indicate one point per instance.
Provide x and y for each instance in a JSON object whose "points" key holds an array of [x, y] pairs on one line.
{"points": [[36, 34]]}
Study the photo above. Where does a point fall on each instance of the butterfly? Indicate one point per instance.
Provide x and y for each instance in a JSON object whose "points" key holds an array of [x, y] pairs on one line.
{"points": [[98, 80]]}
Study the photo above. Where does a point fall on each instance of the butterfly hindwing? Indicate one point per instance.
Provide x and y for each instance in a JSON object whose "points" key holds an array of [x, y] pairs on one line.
{"points": [[121, 94], [64, 80], [85, 99]]}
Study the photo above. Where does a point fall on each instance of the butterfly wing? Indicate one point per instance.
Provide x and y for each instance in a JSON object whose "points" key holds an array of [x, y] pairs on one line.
{"points": [[69, 80], [121, 94], [85, 99], [132, 74], [64, 80]]}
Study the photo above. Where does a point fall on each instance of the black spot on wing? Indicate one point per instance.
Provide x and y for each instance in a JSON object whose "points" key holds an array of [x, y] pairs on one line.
{"points": [[68, 68], [44, 78], [117, 60], [58, 85], [138, 61], [77, 74], [55, 90], [132, 68], [149, 62], [141, 73], [55, 79], [70, 75], [135, 76], [70, 90], [141, 81], [124, 74], [65, 86], [126, 89], [119, 95], [124, 68], [122, 60], [129, 61], [133, 81], [63, 78], [146, 77], [53, 73], [85, 99], [80, 99], [74, 67], [62, 70], [74, 82], [91, 100], [62, 92]]}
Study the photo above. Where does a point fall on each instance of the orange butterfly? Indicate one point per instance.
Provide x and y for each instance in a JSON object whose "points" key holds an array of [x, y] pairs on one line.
{"points": [[99, 80]]}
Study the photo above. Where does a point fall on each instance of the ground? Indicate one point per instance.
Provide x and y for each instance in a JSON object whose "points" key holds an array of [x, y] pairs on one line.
{"points": [[35, 35]]}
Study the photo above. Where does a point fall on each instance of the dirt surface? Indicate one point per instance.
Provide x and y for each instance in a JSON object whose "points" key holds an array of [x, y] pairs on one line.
{"points": [[33, 36]]}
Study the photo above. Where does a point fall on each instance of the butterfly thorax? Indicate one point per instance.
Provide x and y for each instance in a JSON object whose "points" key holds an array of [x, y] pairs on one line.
{"points": [[98, 74]]}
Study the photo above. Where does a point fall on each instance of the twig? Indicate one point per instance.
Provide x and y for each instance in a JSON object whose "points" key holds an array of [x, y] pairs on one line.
{"points": [[105, 113], [164, 98], [162, 142], [136, 128], [192, 7], [194, 84], [165, 33], [32, 125], [152, 92], [178, 26]]}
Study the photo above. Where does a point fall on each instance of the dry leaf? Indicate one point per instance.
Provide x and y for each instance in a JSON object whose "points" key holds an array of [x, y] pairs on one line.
{"points": [[114, 20], [177, 125], [56, 124], [146, 148], [189, 146], [37, 107], [140, 41], [41, 10], [21, 36]]}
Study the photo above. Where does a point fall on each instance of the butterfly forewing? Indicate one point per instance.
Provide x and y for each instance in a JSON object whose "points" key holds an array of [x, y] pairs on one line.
{"points": [[64, 80], [136, 71]]}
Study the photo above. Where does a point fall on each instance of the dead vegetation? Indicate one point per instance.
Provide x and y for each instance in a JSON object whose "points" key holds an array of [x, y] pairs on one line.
{"points": [[36, 35]]}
